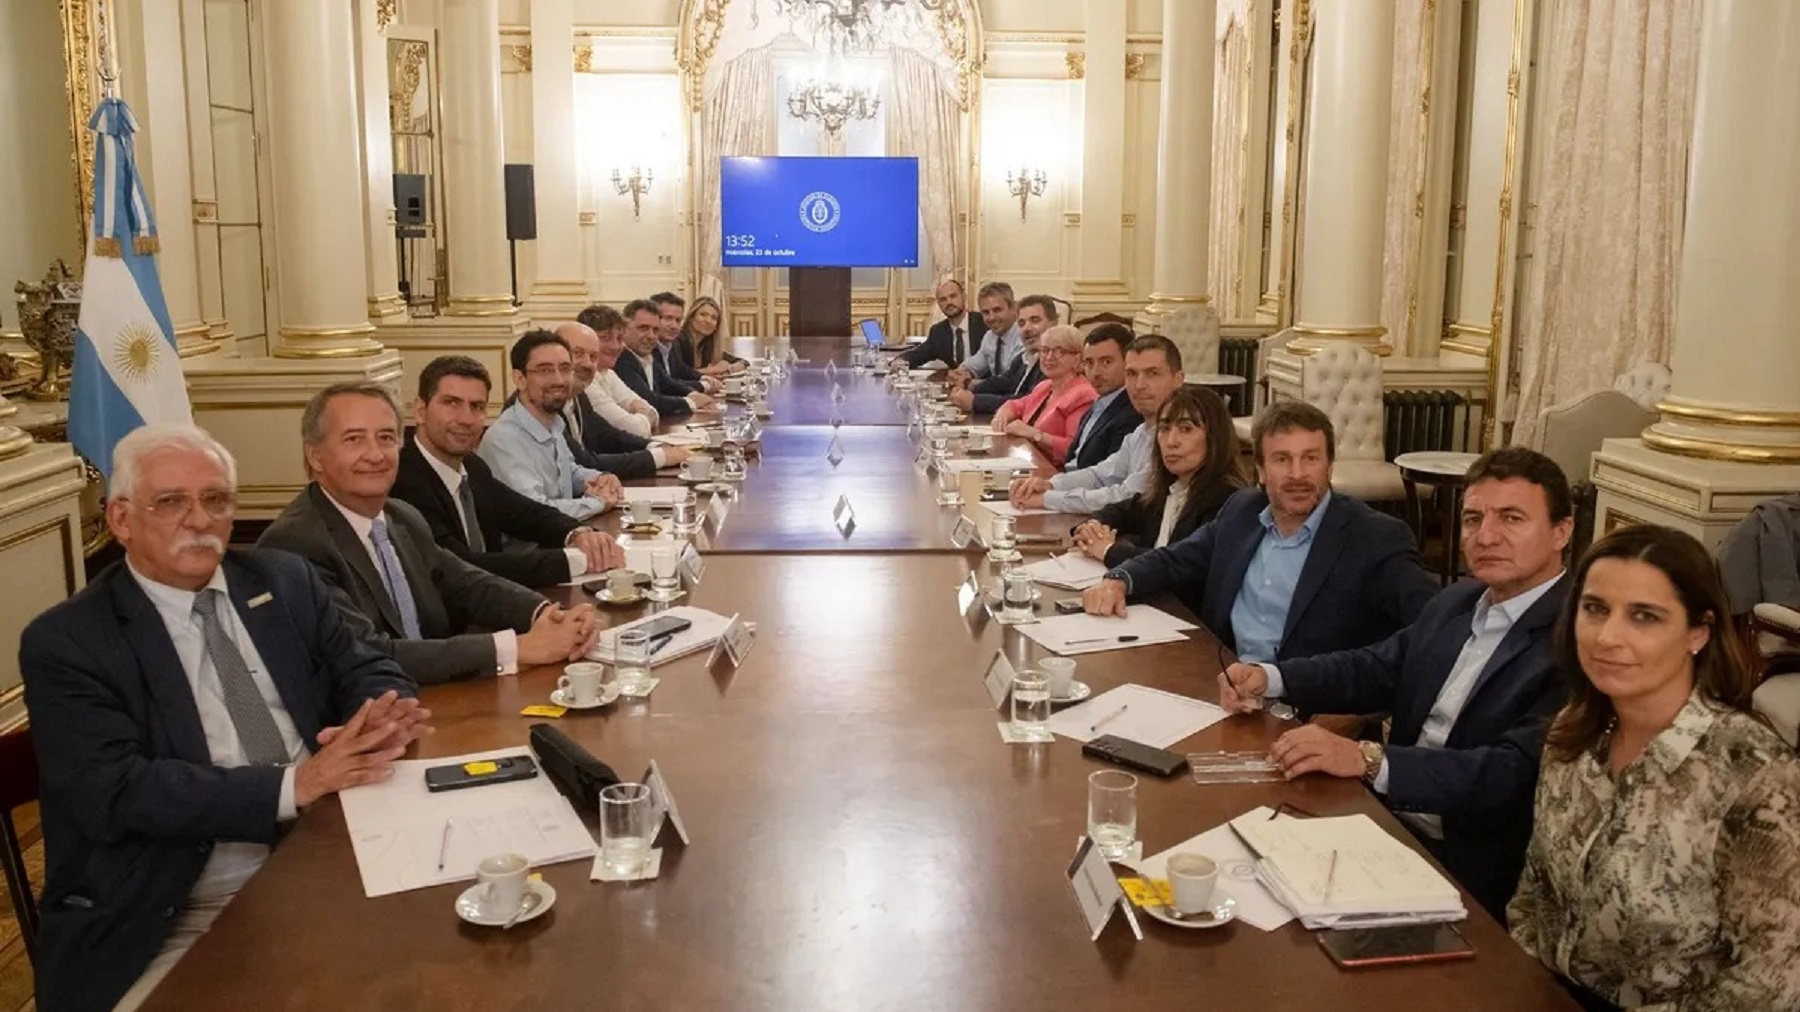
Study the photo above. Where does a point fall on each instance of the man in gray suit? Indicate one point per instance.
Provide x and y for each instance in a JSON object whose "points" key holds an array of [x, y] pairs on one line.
{"points": [[439, 616]]}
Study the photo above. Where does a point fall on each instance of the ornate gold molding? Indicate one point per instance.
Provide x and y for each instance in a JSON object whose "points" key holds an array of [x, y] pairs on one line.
{"points": [[1508, 172], [385, 12], [81, 65], [1729, 416], [587, 217], [515, 59], [1134, 65], [1707, 449], [1616, 519], [406, 83], [1076, 61], [584, 58], [206, 212]]}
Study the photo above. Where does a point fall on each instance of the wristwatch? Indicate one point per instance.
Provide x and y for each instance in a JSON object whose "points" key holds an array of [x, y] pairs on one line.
{"points": [[1372, 752]]}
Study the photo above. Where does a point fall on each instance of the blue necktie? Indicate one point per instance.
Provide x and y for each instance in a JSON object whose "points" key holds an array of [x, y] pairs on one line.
{"points": [[394, 578]]}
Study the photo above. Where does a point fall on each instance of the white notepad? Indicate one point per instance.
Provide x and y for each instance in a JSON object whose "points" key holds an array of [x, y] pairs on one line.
{"points": [[1070, 635], [1151, 716], [1348, 870]]}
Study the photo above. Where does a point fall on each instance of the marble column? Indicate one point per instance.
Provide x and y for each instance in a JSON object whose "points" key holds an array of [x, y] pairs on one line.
{"points": [[1342, 224], [1184, 156], [1736, 393], [474, 187], [319, 242], [560, 290], [383, 285], [1103, 155]]}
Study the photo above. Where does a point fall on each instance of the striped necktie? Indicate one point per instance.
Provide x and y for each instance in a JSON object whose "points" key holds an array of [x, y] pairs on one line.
{"points": [[257, 734]]}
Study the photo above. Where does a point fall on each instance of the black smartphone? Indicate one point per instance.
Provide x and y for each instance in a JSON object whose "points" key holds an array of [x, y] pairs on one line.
{"points": [[995, 495], [1405, 943], [1135, 755], [503, 770], [666, 625], [1068, 606]]}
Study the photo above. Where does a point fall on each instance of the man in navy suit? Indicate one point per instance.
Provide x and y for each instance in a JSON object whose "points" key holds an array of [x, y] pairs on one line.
{"points": [[1472, 684], [1288, 569], [642, 368], [185, 706], [952, 339], [1111, 417]]}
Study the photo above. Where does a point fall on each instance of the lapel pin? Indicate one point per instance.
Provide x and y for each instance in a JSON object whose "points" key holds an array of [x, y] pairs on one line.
{"points": [[261, 599]]}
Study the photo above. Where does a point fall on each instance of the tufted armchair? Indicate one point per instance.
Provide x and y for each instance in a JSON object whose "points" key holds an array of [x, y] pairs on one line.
{"points": [[1344, 381], [1775, 633], [1195, 331], [1646, 383], [1259, 390]]}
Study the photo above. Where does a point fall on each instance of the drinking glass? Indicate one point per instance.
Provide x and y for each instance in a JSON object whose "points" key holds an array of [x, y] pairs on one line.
{"points": [[1001, 540], [939, 437], [949, 485], [625, 811], [631, 658], [665, 577], [1112, 812], [1016, 593], [685, 522], [734, 462], [1030, 705]]}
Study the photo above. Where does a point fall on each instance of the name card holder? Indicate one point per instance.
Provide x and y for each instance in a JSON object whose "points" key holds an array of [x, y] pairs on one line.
{"points": [[662, 801], [693, 567], [717, 509], [1097, 891], [734, 643], [964, 533], [843, 516], [998, 679]]}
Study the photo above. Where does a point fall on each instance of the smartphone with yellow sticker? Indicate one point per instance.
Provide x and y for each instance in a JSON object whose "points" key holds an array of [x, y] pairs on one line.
{"points": [[500, 770]]}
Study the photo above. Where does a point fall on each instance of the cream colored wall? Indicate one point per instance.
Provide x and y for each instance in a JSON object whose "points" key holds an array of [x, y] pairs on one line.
{"points": [[37, 176]]}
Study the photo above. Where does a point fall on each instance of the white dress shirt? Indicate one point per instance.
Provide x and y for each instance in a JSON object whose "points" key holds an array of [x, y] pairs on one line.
{"points": [[1115, 479], [1173, 503], [231, 863], [506, 642], [453, 477], [612, 400]]}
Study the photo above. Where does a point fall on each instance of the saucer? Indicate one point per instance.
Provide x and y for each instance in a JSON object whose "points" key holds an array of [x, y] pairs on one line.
{"points": [[605, 594], [468, 905], [994, 598], [713, 487], [1078, 691], [650, 528], [692, 479], [1224, 911], [608, 693]]}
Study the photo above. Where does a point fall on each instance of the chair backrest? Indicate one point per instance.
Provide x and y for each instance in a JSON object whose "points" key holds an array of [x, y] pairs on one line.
{"points": [[1344, 381], [1088, 323], [18, 771], [18, 786], [1572, 433], [1646, 383], [1195, 333]]}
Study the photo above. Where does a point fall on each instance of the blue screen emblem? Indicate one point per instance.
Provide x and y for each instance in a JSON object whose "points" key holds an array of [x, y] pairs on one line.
{"points": [[819, 211]]}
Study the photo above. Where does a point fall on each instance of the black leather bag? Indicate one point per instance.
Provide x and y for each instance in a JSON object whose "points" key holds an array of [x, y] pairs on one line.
{"points": [[573, 769]]}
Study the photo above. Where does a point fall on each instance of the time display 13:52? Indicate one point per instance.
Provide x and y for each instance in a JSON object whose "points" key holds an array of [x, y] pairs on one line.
{"points": [[740, 241]]}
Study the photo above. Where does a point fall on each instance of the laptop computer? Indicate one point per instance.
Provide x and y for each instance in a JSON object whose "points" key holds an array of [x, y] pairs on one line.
{"points": [[871, 333]]}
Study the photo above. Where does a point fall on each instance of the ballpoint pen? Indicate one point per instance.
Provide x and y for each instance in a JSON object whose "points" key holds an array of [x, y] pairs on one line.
{"points": [[1330, 876], [660, 642], [1109, 718], [1101, 639], [444, 845]]}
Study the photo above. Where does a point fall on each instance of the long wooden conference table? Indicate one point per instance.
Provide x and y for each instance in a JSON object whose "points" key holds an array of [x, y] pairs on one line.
{"points": [[862, 838]]}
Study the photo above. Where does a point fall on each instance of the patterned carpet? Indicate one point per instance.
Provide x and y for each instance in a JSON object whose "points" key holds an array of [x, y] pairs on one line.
{"points": [[15, 969]]}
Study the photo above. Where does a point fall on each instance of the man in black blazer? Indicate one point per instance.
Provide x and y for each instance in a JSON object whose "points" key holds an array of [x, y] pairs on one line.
{"points": [[1472, 684], [1112, 416], [671, 311], [473, 513], [1036, 314], [595, 442], [1288, 569], [951, 339], [642, 370], [185, 706], [439, 616]]}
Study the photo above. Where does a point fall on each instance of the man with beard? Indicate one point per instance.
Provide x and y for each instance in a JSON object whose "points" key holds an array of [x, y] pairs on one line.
{"points": [[1287, 569], [593, 440], [471, 512], [952, 339], [1033, 315], [526, 446]]}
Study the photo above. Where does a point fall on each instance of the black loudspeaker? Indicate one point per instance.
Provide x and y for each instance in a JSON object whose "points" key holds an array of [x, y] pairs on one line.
{"points": [[409, 205], [521, 203]]}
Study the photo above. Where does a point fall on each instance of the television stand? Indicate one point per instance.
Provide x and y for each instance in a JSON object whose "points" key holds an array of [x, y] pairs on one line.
{"points": [[819, 301]]}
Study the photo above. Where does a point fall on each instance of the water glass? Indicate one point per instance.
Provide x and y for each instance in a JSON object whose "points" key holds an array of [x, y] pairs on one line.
{"points": [[625, 811], [1030, 705], [1002, 540], [1112, 812], [631, 659], [939, 437], [686, 521], [665, 576], [1016, 595], [734, 462], [949, 485]]}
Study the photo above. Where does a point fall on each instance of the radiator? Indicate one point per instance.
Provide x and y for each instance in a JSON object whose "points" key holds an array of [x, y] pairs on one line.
{"points": [[1425, 420], [1237, 357]]}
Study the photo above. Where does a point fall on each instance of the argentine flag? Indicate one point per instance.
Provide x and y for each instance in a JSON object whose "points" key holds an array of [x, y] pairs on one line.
{"points": [[126, 372]]}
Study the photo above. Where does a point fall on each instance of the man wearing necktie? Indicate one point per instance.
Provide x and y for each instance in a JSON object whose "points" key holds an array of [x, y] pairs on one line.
{"points": [[952, 339], [186, 706], [439, 616]]}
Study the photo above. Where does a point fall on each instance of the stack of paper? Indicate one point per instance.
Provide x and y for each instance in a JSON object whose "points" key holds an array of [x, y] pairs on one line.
{"points": [[1142, 626], [707, 627], [402, 833], [988, 464], [1068, 571], [1137, 713], [656, 495], [1007, 509], [1237, 871], [1347, 872]]}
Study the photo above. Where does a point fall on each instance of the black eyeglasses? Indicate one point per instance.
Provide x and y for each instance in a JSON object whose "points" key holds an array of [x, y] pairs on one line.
{"points": [[217, 504]]}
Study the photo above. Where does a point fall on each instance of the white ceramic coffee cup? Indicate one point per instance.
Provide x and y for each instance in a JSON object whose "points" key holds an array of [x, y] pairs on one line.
{"points": [[1192, 878], [502, 878], [640, 511], [714, 437], [622, 582], [581, 681], [699, 466], [1061, 672]]}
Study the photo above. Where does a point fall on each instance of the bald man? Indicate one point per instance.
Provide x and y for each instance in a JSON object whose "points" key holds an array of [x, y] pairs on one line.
{"points": [[953, 338], [595, 442]]}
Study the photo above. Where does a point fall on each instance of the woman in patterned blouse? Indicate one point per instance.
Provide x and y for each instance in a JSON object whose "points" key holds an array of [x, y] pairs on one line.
{"points": [[1664, 865]]}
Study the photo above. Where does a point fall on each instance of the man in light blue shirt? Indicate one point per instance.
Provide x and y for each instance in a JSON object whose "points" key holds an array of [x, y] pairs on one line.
{"points": [[1003, 342], [1260, 612], [1471, 684], [1152, 375], [525, 446]]}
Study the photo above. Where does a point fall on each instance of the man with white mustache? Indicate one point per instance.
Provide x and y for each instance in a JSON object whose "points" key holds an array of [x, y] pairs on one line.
{"points": [[1287, 569], [185, 707]]}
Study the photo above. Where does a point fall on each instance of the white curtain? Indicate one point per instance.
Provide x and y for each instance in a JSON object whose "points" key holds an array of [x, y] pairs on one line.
{"points": [[1231, 112], [1406, 176], [739, 119], [927, 123], [1600, 290]]}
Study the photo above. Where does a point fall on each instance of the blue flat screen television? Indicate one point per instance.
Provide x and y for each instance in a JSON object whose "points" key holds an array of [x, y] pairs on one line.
{"points": [[819, 212]]}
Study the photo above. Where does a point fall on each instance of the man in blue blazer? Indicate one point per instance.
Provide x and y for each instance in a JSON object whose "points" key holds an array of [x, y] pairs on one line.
{"points": [[186, 705], [1112, 417], [952, 339], [1472, 684], [642, 368], [1288, 569]]}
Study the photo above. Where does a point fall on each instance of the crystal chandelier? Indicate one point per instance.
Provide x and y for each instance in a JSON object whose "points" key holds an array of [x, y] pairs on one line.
{"points": [[832, 103], [841, 26]]}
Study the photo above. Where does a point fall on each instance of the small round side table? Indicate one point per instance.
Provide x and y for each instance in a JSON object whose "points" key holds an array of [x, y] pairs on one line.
{"points": [[1444, 471]]}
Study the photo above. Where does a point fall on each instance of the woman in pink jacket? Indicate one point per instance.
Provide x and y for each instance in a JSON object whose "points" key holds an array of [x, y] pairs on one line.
{"points": [[1051, 413]]}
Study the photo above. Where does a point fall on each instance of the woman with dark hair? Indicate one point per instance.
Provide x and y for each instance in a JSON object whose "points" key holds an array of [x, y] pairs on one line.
{"points": [[1196, 469], [701, 344], [1664, 864]]}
